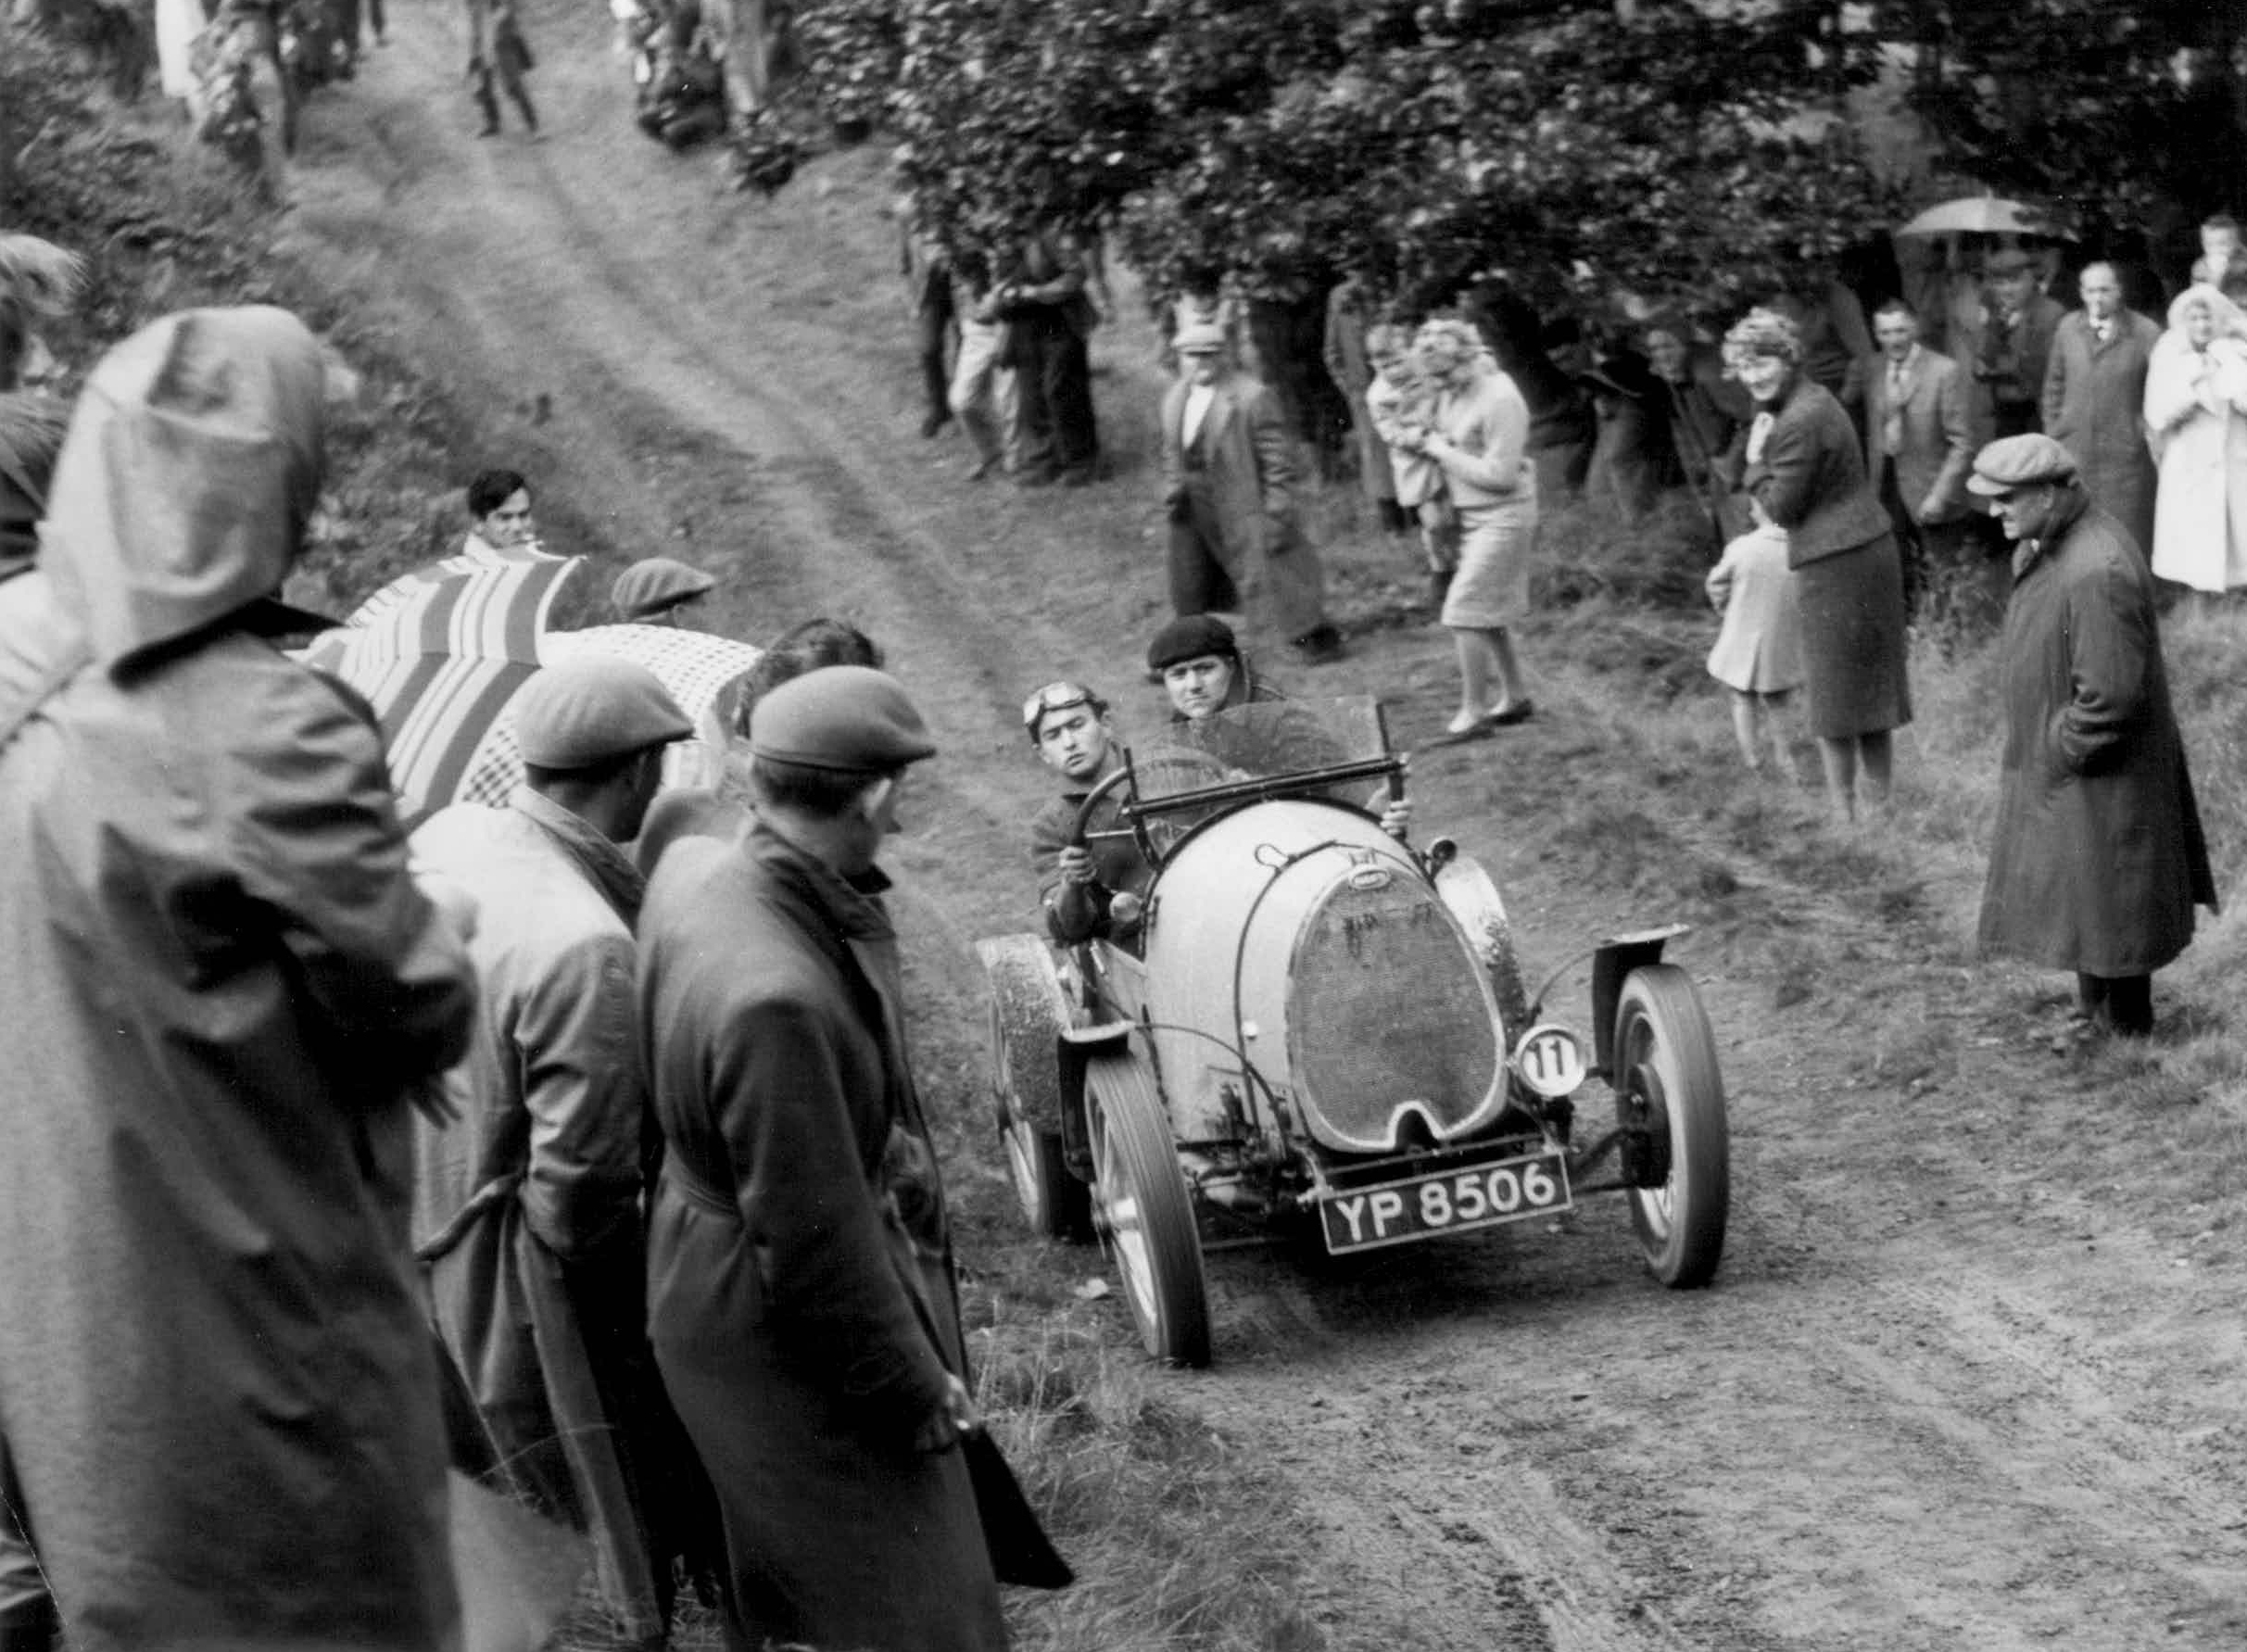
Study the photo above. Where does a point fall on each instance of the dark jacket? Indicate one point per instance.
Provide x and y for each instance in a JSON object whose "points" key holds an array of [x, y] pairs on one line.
{"points": [[1074, 913], [1810, 477], [800, 1297], [2098, 858]]}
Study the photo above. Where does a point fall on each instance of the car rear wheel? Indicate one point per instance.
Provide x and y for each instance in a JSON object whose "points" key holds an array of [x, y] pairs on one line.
{"points": [[1055, 1204], [1144, 1211], [1666, 1068]]}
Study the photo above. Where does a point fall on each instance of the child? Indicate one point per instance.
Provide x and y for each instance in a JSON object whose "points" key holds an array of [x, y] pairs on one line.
{"points": [[1759, 651], [1402, 407]]}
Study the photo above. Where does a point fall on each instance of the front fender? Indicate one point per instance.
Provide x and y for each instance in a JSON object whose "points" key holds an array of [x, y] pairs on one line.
{"points": [[1613, 961]]}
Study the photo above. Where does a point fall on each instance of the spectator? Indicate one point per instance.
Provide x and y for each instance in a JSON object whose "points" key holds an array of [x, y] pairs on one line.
{"points": [[2094, 399], [982, 395], [1919, 445], [927, 277], [1089, 889], [32, 429], [38, 282], [2017, 343], [801, 1294], [1401, 405], [501, 56], [1707, 413], [1229, 480], [1348, 364], [526, 1206], [659, 591], [1051, 324], [499, 517], [1758, 654], [2221, 256], [2196, 408], [1479, 436], [1835, 341], [1805, 466], [218, 1414], [2097, 859], [1628, 458]]}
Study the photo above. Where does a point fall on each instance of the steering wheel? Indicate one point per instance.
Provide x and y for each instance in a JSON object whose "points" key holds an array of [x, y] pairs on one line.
{"points": [[1173, 764]]}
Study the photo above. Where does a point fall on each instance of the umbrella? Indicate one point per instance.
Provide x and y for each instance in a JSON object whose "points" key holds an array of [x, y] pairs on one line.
{"points": [[440, 652], [697, 667], [1980, 215]]}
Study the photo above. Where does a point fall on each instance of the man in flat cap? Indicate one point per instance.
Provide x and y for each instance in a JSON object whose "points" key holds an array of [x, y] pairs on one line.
{"points": [[217, 1409], [2016, 342], [2098, 858], [527, 1209], [659, 591], [801, 1299], [1229, 480]]}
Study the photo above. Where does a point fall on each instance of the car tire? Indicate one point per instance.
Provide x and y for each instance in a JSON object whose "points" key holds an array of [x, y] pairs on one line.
{"points": [[1055, 1204], [1665, 1060], [1144, 1211]]}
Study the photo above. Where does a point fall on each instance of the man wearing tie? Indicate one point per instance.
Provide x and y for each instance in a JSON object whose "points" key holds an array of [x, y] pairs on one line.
{"points": [[1918, 448], [2094, 399], [1229, 476]]}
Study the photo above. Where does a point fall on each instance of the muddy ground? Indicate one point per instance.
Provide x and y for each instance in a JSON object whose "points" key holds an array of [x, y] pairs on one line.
{"points": [[1957, 1386]]}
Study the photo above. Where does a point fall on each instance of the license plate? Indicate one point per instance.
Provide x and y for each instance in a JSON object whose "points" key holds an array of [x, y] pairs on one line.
{"points": [[1445, 1202]]}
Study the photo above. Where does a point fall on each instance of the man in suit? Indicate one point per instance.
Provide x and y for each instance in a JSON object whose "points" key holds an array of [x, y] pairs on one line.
{"points": [[2094, 399], [1918, 446], [1229, 476], [2017, 345]]}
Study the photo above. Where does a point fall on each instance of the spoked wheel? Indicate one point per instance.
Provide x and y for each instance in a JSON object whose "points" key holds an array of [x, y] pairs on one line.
{"points": [[1665, 1063], [1144, 1211], [1055, 1204]]}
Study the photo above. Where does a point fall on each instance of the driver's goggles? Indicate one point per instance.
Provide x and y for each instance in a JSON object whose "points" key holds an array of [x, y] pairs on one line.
{"points": [[1058, 697]]}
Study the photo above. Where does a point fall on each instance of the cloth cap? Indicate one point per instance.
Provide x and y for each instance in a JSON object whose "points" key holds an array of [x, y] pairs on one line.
{"points": [[582, 712], [650, 586], [2020, 462], [1193, 637], [2010, 262], [850, 719], [1199, 338]]}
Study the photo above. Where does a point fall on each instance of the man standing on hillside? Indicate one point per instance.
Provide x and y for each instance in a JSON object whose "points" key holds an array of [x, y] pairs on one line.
{"points": [[800, 1290], [218, 1414], [527, 1207], [1917, 448], [2095, 397], [2016, 344], [2097, 859]]}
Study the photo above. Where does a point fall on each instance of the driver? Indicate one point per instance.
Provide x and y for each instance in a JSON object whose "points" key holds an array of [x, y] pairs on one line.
{"points": [[1201, 670], [1094, 891]]}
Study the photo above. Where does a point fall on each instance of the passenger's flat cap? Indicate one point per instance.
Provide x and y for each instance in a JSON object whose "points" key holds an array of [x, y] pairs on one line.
{"points": [[2020, 462], [584, 712], [650, 586], [1194, 638], [852, 719]]}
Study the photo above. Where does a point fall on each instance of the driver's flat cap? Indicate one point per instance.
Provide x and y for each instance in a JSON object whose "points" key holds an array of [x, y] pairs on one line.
{"points": [[850, 719], [1197, 636], [2020, 462], [582, 712]]}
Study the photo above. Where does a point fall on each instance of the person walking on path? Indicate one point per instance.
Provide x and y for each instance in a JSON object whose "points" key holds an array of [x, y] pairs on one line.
{"points": [[1479, 436], [2196, 409], [218, 1412], [801, 1289], [500, 56], [1229, 489], [2097, 859], [1758, 654], [1349, 365], [528, 1204], [2094, 399], [1805, 466]]}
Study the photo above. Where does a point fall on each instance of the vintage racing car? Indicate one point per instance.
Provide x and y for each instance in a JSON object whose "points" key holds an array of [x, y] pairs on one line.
{"points": [[1321, 1025]]}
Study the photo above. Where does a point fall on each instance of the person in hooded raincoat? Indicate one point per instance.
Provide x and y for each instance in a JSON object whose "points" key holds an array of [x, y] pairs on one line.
{"points": [[2098, 858], [219, 1411]]}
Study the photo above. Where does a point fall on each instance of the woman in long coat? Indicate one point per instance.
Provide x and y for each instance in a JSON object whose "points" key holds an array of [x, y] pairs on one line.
{"points": [[1479, 436], [2196, 409], [2098, 858], [1806, 467], [217, 1397]]}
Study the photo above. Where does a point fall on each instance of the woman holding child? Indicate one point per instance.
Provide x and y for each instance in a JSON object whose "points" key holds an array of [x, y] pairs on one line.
{"points": [[1805, 466]]}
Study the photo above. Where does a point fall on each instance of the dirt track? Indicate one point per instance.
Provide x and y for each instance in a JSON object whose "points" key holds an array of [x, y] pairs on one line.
{"points": [[1946, 1394]]}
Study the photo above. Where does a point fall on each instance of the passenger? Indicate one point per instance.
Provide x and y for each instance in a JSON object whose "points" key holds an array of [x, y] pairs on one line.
{"points": [[1093, 889]]}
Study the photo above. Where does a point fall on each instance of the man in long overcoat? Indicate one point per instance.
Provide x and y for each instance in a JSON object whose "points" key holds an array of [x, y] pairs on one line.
{"points": [[2098, 858], [528, 1203], [800, 1292], [2094, 400], [1229, 478], [218, 1406]]}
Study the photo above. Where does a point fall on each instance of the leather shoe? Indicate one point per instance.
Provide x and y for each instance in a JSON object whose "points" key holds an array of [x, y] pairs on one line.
{"points": [[1522, 710]]}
